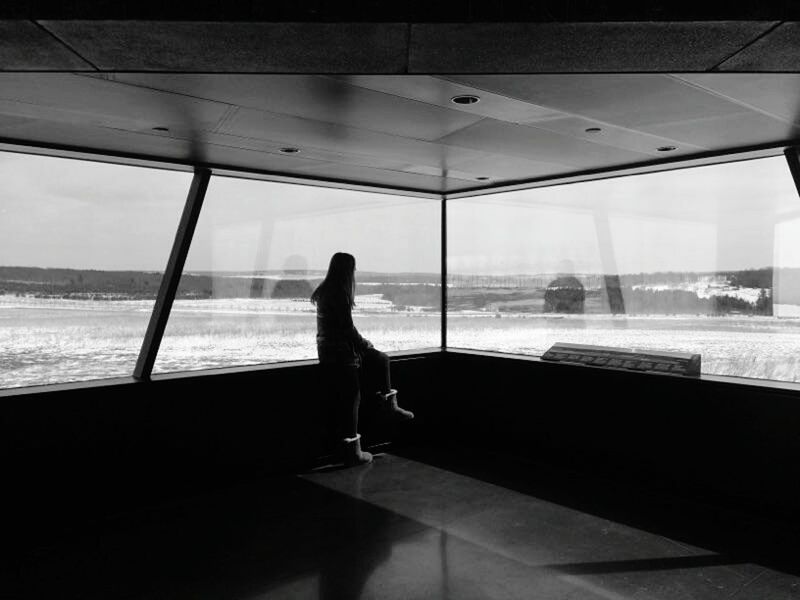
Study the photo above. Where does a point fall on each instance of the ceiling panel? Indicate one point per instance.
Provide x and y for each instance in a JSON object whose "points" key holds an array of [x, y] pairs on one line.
{"points": [[777, 51], [92, 102], [9, 122], [319, 135], [158, 146], [412, 181], [612, 135], [630, 101], [499, 167], [775, 95], [536, 144], [439, 91], [576, 47], [317, 98], [237, 47], [743, 129], [26, 47], [319, 155], [101, 139]]}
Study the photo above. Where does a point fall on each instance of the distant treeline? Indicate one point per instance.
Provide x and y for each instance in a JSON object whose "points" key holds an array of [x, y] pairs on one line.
{"points": [[78, 283], [503, 294], [140, 285], [83, 284]]}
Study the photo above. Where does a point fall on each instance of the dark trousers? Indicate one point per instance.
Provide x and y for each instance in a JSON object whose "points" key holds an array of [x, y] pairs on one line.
{"points": [[346, 383]]}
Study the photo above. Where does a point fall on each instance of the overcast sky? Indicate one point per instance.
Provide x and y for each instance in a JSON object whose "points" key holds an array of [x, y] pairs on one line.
{"points": [[78, 214]]}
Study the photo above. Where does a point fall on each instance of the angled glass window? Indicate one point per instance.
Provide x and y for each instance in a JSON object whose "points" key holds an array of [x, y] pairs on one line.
{"points": [[82, 249], [260, 249], [703, 260]]}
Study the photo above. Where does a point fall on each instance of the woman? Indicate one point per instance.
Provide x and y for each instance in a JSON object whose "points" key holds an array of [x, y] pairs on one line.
{"points": [[344, 354]]}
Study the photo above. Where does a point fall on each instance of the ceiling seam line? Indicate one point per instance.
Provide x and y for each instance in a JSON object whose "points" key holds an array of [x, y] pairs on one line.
{"points": [[760, 36], [65, 44], [732, 100], [408, 48]]}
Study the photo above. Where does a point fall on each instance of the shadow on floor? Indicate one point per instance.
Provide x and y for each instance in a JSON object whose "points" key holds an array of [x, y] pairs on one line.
{"points": [[739, 536], [231, 544]]}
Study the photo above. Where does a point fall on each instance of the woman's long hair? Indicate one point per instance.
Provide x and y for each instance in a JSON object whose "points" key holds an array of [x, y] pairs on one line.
{"points": [[340, 279]]}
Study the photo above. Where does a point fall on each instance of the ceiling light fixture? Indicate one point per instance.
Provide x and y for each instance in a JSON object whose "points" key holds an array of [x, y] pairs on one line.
{"points": [[290, 150], [593, 130], [666, 148], [465, 99]]}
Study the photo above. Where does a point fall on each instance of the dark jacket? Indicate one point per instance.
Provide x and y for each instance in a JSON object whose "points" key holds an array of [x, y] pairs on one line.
{"points": [[338, 340]]}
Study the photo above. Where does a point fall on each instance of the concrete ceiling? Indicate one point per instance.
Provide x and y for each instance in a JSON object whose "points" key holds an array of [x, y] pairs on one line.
{"points": [[398, 48], [371, 103]]}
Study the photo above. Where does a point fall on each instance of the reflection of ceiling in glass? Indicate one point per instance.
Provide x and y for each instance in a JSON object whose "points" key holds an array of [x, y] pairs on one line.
{"points": [[248, 225], [739, 191]]}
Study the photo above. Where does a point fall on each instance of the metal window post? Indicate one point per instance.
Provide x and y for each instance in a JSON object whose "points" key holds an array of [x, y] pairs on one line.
{"points": [[793, 160], [444, 272], [172, 275]]}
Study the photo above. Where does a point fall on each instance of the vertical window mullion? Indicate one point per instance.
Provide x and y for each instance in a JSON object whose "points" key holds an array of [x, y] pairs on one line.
{"points": [[444, 272]]}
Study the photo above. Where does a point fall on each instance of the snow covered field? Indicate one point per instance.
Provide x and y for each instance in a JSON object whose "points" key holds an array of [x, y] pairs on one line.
{"points": [[50, 341]]}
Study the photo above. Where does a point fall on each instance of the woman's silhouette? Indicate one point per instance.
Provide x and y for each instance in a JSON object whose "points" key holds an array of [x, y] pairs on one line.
{"points": [[344, 355]]}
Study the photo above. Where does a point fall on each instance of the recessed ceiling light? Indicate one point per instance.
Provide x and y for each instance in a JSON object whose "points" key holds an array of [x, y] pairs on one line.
{"points": [[666, 148], [482, 178], [593, 130], [465, 99], [290, 150], [160, 128]]}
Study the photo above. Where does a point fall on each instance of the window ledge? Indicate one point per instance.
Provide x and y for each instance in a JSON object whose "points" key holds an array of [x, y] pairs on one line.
{"points": [[397, 356], [784, 386]]}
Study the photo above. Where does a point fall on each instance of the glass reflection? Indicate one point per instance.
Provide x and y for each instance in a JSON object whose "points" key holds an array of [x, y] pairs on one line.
{"points": [[259, 250], [703, 260]]}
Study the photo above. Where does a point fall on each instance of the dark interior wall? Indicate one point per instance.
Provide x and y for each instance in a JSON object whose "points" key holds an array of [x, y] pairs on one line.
{"points": [[717, 442], [69, 455]]}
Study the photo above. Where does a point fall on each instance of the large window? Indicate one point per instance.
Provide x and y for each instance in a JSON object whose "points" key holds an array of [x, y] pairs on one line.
{"points": [[82, 249], [259, 250], [700, 260]]}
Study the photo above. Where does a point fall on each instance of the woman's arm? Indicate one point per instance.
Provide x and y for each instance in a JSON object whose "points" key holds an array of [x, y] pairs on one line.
{"points": [[359, 342]]}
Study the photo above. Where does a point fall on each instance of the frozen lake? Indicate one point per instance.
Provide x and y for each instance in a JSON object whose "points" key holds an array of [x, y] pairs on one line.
{"points": [[52, 341]]}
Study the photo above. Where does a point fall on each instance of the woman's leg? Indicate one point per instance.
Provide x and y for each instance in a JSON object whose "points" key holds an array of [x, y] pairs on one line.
{"points": [[377, 371], [378, 379], [347, 394]]}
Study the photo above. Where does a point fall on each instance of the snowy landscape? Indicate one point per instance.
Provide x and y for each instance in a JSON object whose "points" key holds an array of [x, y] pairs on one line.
{"points": [[92, 326]]}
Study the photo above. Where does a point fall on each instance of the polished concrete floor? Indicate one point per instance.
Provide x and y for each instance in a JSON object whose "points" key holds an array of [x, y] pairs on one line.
{"points": [[397, 528]]}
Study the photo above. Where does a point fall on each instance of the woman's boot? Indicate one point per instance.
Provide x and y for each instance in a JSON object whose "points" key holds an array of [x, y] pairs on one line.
{"points": [[389, 401], [353, 455]]}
